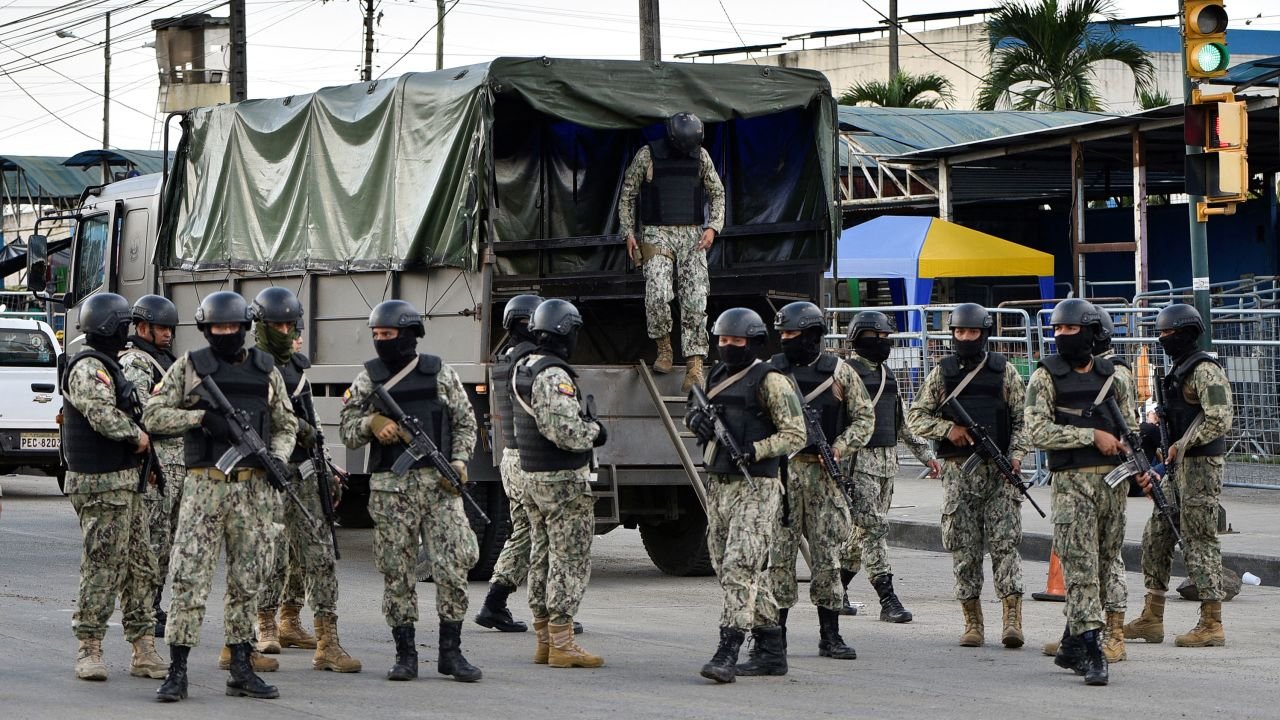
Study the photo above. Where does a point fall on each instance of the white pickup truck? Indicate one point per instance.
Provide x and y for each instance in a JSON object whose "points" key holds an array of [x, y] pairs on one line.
{"points": [[29, 398]]}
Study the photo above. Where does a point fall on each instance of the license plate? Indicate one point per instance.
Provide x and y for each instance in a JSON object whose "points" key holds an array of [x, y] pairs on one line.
{"points": [[38, 441]]}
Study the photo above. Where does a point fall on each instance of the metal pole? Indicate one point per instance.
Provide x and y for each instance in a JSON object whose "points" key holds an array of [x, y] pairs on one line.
{"points": [[1199, 231], [1141, 271], [439, 33], [366, 70], [650, 31], [893, 39], [106, 99], [239, 53]]}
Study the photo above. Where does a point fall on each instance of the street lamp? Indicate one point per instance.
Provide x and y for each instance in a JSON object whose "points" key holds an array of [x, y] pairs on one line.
{"points": [[106, 89]]}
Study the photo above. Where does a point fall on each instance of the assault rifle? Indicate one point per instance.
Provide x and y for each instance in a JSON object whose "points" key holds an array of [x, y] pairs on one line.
{"points": [[723, 437], [245, 442], [985, 449], [1136, 463], [421, 446], [818, 440], [319, 467], [151, 463]]}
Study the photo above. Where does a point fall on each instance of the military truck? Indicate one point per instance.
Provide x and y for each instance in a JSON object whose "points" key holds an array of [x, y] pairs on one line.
{"points": [[457, 190]]}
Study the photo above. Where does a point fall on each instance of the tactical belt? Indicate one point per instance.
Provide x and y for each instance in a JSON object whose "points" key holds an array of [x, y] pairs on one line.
{"points": [[216, 475], [1095, 469], [806, 457], [649, 250]]}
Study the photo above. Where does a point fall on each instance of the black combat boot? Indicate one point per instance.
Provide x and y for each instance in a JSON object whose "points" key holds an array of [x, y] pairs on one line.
{"points": [[830, 644], [495, 613], [891, 609], [768, 654], [162, 618], [451, 660], [174, 687], [723, 663], [845, 577], [244, 682], [1095, 662], [406, 667], [1070, 655]]}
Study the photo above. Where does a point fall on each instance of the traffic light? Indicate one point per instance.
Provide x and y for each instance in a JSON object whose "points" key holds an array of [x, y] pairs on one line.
{"points": [[1219, 125], [1204, 38]]}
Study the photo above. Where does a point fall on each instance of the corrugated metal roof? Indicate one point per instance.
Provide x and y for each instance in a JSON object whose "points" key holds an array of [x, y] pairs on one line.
{"points": [[42, 177], [898, 131]]}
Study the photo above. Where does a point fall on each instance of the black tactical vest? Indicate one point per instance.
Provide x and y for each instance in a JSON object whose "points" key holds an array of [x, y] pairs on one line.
{"points": [[291, 373], [504, 364], [163, 358], [674, 196], [537, 453], [887, 407], [1077, 391], [746, 417], [832, 415], [418, 394], [246, 385], [87, 451], [983, 399], [1182, 413]]}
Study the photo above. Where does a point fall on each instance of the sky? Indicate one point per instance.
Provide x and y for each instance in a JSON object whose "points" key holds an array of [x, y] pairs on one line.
{"points": [[51, 87]]}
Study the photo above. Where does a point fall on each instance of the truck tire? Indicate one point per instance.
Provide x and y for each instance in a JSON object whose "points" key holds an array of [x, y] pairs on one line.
{"points": [[679, 547], [493, 500]]}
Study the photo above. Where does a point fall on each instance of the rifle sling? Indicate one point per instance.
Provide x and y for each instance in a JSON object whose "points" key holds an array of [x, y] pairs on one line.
{"points": [[1106, 387], [964, 383], [729, 381]]}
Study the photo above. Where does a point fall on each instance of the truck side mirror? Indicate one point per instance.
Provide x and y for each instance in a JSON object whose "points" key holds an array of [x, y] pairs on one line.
{"points": [[37, 263]]}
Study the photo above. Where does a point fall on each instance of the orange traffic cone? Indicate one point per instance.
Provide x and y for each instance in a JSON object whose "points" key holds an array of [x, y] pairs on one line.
{"points": [[1055, 590]]}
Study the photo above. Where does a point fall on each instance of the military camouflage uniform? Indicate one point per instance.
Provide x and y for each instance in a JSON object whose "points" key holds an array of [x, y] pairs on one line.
{"points": [[512, 566], [676, 252], [401, 505], [872, 473], [819, 510], [1088, 516], [982, 511], [162, 509], [741, 519], [117, 559], [1115, 588], [215, 512], [559, 503], [1195, 487]]}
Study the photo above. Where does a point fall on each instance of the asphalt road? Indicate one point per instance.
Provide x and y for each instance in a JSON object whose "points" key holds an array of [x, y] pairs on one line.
{"points": [[654, 631]]}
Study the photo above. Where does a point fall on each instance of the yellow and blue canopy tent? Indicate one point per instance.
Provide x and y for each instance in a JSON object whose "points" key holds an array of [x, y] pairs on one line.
{"points": [[918, 250]]}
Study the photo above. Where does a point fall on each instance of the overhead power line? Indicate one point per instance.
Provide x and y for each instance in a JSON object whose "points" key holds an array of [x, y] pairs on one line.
{"points": [[419, 40]]}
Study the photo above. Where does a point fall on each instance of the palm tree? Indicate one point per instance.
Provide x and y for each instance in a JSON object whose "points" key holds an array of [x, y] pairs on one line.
{"points": [[1154, 98], [929, 90], [1048, 51]]}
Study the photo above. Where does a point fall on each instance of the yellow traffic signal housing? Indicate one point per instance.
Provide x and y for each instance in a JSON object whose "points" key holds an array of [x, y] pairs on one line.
{"points": [[1219, 124], [1204, 38]]}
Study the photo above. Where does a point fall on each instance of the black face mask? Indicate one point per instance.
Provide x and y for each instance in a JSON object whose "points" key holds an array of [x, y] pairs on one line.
{"points": [[875, 349], [109, 344], [969, 350], [1179, 343], [227, 347], [737, 357], [397, 351], [1076, 349], [520, 333], [559, 345], [802, 349]]}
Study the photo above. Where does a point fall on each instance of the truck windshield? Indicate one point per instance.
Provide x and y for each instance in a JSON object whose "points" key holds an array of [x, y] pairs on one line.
{"points": [[25, 348], [91, 255]]}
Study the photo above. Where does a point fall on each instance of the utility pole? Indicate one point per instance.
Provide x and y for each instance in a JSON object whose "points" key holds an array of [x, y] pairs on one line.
{"points": [[239, 53], [366, 70], [440, 34], [106, 86], [893, 39], [1198, 228], [650, 31]]}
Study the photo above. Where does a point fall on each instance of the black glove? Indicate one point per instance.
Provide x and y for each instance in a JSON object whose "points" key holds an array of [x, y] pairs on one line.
{"points": [[602, 437], [749, 454], [701, 424], [216, 425]]}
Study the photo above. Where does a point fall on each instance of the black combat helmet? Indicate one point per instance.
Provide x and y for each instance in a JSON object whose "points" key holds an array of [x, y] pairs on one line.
{"points": [[1106, 330], [520, 307], [740, 322], [397, 314], [1178, 317], [970, 315], [872, 320], [800, 316], [156, 310], [103, 314], [277, 305], [1076, 311], [684, 132], [556, 317], [223, 307]]}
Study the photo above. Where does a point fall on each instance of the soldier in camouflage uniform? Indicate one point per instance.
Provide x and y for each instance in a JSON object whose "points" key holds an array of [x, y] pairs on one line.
{"points": [[232, 509], [425, 388], [104, 446], [981, 511], [278, 313], [761, 409], [818, 509], [1088, 514], [876, 465], [555, 435], [1198, 408], [144, 361], [676, 183]]}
